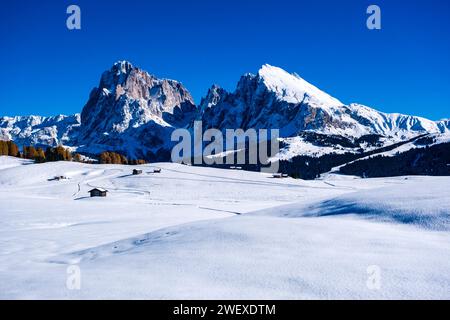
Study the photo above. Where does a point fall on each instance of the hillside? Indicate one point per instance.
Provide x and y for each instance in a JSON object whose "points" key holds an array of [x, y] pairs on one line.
{"points": [[225, 233]]}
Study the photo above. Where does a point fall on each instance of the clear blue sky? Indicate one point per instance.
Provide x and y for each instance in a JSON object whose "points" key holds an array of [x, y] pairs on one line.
{"points": [[47, 69]]}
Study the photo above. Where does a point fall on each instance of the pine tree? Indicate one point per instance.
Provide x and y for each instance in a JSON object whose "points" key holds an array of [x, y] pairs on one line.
{"points": [[49, 154]]}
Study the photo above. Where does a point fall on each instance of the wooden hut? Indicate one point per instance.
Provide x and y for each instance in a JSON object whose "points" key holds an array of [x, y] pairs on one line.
{"points": [[98, 192]]}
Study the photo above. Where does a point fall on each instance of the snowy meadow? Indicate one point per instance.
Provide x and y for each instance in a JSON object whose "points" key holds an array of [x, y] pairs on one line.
{"points": [[203, 233]]}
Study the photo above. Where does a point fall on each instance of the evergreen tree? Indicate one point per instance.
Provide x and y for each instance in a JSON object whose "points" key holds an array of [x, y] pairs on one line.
{"points": [[49, 154]]}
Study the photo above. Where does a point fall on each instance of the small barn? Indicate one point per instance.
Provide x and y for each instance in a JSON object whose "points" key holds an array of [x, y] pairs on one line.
{"points": [[280, 175], [137, 172], [58, 178], [98, 192]]}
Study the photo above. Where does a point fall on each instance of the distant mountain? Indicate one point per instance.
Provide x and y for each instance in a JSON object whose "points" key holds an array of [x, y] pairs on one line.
{"points": [[134, 112], [274, 98], [40, 131]]}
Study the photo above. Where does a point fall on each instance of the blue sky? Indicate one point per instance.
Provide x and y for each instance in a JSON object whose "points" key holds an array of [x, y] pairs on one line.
{"points": [[405, 67]]}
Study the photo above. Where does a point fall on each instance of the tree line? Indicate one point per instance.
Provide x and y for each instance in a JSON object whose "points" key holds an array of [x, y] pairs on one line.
{"points": [[9, 148], [59, 153], [109, 157]]}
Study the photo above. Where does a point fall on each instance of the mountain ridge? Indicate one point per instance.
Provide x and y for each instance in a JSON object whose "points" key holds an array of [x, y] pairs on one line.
{"points": [[134, 112]]}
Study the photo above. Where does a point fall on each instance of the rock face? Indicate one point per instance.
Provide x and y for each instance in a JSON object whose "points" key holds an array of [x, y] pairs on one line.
{"points": [[135, 113]]}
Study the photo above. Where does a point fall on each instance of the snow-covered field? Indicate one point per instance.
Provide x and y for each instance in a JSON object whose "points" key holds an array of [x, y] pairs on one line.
{"points": [[200, 233]]}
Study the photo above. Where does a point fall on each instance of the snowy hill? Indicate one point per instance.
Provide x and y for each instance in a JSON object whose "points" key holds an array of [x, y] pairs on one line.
{"points": [[205, 233]]}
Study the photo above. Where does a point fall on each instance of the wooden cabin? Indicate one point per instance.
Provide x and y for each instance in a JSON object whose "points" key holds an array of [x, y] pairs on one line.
{"points": [[58, 178], [98, 192], [280, 175], [137, 172]]}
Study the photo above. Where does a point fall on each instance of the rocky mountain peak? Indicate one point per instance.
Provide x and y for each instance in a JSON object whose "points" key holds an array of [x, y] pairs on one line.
{"points": [[128, 97], [133, 112], [214, 95]]}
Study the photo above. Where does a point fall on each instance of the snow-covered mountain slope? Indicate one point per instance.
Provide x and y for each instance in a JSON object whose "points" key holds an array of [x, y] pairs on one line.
{"points": [[394, 124], [37, 130], [134, 112], [205, 233], [276, 99]]}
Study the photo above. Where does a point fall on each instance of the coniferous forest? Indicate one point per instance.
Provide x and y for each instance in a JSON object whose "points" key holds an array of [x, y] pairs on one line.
{"points": [[432, 161]]}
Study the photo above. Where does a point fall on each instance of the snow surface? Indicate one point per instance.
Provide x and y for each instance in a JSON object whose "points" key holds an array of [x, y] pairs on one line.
{"points": [[293, 89], [205, 233], [298, 146]]}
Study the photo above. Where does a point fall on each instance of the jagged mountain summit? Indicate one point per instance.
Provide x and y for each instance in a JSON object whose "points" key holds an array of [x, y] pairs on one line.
{"points": [[128, 97], [134, 112], [274, 98]]}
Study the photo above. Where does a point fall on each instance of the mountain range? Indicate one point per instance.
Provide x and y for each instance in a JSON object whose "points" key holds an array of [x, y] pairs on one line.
{"points": [[134, 112]]}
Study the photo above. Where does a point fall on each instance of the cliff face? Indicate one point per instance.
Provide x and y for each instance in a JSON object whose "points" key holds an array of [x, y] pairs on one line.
{"points": [[132, 110]]}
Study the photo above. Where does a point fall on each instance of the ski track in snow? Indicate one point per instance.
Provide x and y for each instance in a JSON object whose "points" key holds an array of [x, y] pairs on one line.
{"points": [[205, 233]]}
